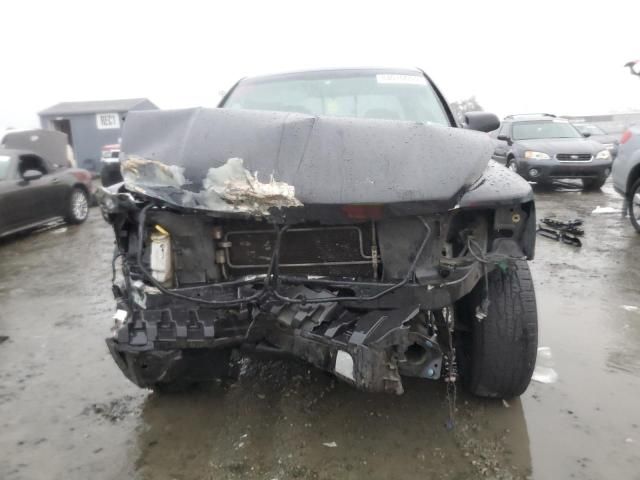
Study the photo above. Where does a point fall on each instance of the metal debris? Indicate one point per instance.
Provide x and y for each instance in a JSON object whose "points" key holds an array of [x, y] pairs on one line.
{"points": [[241, 189], [564, 231], [228, 188]]}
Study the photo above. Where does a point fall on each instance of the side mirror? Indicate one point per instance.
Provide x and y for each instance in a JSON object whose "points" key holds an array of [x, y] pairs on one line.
{"points": [[31, 175], [504, 138], [481, 121], [586, 134]]}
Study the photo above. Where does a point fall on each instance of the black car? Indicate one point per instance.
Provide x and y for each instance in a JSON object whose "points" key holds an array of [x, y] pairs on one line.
{"points": [[39, 185], [542, 147], [339, 216]]}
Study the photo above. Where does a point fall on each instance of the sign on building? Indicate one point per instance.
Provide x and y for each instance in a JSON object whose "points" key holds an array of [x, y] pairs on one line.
{"points": [[107, 120]]}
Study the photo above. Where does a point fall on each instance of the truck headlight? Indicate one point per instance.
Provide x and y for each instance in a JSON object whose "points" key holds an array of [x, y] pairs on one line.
{"points": [[603, 155], [536, 155]]}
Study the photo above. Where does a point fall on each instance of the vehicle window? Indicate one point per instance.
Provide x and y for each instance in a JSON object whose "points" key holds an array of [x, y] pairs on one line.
{"points": [[4, 166], [592, 129], [382, 96], [31, 162], [533, 130]]}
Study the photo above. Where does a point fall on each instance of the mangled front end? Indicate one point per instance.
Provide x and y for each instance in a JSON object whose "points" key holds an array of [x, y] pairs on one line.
{"points": [[365, 290]]}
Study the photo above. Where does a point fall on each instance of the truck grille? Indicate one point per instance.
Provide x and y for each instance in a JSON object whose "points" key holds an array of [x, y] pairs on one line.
{"points": [[574, 157]]}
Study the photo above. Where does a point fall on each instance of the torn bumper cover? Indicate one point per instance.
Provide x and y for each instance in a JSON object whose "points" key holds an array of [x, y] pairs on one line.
{"points": [[370, 351], [360, 280]]}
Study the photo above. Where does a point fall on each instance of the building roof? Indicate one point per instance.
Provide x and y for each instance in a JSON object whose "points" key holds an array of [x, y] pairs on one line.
{"points": [[99, 106]]}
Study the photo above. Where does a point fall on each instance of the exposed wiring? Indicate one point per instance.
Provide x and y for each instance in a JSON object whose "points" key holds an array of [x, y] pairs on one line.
{"points": [[376, 296], [163, 289], [113, 265], [491, 259], [272, 280]]}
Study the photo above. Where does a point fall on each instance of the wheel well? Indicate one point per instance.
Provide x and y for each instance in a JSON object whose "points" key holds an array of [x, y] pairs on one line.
{"points": [[81, 186], [634, 174], [511, 156]]}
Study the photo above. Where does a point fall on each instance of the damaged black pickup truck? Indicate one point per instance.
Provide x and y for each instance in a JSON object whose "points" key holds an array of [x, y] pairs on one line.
{"points": [[339, 216]]}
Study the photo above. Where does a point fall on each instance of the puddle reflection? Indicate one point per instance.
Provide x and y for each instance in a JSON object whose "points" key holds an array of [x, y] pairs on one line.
{"points": [[278, 420]]}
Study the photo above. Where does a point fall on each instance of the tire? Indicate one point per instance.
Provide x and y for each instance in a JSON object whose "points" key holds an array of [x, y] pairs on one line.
{"points": [[634, 205], [594, 183], [78, 206], [499, 353]]}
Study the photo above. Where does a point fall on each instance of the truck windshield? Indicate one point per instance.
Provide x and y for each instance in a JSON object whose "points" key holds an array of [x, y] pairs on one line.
{"points": [[534, 130], [4, 166], [387, 96]]}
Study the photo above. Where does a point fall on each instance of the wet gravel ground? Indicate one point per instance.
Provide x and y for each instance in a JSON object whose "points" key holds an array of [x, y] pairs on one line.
{"points": [[66, 411]]}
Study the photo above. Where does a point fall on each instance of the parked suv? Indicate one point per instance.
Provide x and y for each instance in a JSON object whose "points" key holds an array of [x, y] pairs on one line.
{"points": [[626, 173], [339, 216], [542, 147]]}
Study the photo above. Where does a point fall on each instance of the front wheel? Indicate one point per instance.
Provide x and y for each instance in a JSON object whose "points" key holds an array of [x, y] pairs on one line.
{"points": [[78, 206], [499, 353], [634, 206], [594, 183]]}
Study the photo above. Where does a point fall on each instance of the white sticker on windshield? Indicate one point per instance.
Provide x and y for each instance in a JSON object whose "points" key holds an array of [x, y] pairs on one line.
{"points": [[404, 79]]}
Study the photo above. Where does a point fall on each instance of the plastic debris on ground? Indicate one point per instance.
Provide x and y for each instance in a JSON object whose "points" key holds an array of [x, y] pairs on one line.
{"points": [[544, 372], [330, 444], [565, 231], [600, 209], [630, 308]]}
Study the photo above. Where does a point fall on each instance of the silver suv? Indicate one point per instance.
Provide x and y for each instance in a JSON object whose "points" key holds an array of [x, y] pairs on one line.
{"points": [[626, 173]]}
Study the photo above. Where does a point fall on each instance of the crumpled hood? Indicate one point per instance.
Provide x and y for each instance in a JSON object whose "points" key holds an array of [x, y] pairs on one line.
{"points": [[204, 158], [553, 146]]}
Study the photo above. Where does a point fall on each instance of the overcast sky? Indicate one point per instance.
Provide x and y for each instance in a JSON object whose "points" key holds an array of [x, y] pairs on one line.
{"points": [[562, 57]]}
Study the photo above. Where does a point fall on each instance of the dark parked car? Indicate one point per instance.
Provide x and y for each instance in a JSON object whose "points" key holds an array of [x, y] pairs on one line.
{"points": [[38, 185], [542, 147], [594, 132], [340, 216], [626, 173]]}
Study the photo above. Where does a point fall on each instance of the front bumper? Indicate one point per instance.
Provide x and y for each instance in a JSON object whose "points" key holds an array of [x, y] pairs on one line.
{"points": [[369, 344], [552, 168]]}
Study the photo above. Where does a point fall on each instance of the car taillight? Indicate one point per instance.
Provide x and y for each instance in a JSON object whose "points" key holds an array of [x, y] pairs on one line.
{"points": [[625, 137], [363, 212]]}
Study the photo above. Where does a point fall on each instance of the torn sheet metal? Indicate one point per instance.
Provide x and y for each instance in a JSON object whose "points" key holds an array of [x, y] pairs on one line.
{"points": [[228, 188], [242, 190]]}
